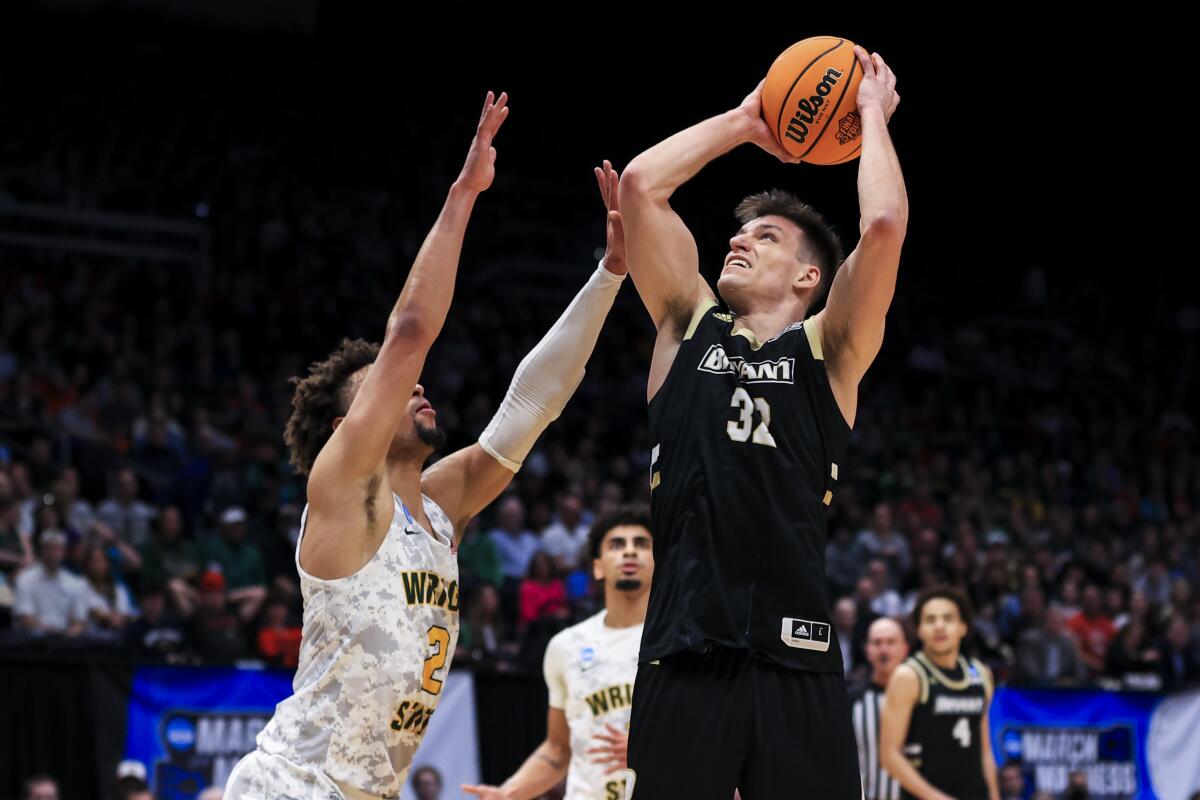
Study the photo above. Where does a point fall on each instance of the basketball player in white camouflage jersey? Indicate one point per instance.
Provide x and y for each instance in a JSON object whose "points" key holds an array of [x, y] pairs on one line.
{"points": [[376, 555], [589, 671]]}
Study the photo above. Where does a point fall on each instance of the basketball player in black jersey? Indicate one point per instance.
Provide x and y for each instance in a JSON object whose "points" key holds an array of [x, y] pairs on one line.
{"points": [[740, 677], [934, 737]]}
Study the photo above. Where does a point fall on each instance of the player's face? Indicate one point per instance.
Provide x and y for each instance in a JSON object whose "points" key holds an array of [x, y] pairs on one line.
{"points": [[424, 421], [626, 558], [941, 629], [763, 265], [418, 433]]}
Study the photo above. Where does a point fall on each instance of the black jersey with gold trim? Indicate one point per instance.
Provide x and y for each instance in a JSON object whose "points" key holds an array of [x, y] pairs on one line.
{"points": [[944, 740], [747, 439]]}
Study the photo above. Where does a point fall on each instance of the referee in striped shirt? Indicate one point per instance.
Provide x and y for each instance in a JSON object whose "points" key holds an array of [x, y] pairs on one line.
{"points": [[886, 648]]}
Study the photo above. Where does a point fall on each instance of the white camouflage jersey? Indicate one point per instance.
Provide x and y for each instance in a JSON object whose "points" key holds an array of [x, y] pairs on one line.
{"points": [[375, 650], [589, 670]]}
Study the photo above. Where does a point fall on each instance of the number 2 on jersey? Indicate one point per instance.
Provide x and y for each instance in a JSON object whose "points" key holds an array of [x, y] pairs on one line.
{"points": [[439, 637], [740, 429]]}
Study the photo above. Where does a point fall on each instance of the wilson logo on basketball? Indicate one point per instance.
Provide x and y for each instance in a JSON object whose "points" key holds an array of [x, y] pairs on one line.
{"points": [[808, 110]]}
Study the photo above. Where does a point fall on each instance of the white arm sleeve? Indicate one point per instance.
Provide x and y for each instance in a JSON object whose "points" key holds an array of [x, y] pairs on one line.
{"points": [[549, 375]]}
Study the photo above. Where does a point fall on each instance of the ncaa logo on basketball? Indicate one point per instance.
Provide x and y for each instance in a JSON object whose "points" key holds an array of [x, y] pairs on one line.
{"points": [[849, 127]]}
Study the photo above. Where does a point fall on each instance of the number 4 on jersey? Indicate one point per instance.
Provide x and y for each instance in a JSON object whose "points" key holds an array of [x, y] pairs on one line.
{"points": [[962, 732]]}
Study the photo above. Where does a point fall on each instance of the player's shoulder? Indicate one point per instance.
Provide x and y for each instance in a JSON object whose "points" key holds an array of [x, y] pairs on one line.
{"points": [[909, 680], [705, 319], [907, 670], [579, 632], [980, 673]]}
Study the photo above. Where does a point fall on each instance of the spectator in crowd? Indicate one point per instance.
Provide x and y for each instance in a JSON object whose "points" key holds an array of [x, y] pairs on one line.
{"points": [[216, 631], [128, 516], [49, 600], [886, 601], [109, 604], [40, 787], [1179, 657], [483, 634], [1131, 653], [515, 545], [1046, 653], [1077, 786], [478, 559], [843, 562], [278, 641], [130, 781], [542, 595], [156, 633], [882, 541], [240, 562], [77, 513], [1092, 630], [427, 783], [565, 539], [279, 554], [15, 550], [172, 560], [845, 620], [1012, 781]]}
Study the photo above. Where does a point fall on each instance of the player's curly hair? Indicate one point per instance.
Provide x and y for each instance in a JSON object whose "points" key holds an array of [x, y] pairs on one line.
{"points": [[322, 396], [822, 245]]}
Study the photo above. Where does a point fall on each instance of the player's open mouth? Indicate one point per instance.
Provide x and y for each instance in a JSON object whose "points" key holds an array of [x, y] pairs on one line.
{"points": [[738, 262]]}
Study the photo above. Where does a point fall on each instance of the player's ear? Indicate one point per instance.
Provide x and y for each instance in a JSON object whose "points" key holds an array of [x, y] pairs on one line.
{"points": [[597, 569], [808, 277], [337, 421]]}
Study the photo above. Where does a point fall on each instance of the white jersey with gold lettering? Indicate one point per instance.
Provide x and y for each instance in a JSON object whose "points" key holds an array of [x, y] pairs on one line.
{"points": [[590, 669], [375, 650]]}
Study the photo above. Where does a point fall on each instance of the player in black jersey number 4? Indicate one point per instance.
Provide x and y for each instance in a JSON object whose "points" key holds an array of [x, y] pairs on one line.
{"points": [[934, 737], [740, 678]]}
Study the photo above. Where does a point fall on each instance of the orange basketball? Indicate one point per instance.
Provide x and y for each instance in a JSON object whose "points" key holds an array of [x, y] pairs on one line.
{"points": [[810, 100]]}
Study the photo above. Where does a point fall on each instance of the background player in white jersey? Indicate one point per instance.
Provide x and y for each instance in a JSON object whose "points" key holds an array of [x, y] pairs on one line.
{"points": [[376, 554], [589, 670]]}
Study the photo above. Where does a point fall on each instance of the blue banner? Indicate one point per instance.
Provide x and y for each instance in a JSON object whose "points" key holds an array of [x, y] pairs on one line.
{"points": [[189, 726], [1053, 733]]}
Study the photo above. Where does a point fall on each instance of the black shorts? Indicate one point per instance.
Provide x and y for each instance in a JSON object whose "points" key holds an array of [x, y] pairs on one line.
{"points": [[704, 724]]}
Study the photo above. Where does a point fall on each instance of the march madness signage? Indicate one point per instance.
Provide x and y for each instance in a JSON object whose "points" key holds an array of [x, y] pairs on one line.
{"points": [[191, 726], [1117, 739]]}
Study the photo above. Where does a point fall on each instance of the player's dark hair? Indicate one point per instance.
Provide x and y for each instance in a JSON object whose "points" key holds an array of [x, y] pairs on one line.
{"points": [[322, 396], [821, 245], [942, 593], [624, 515]]}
